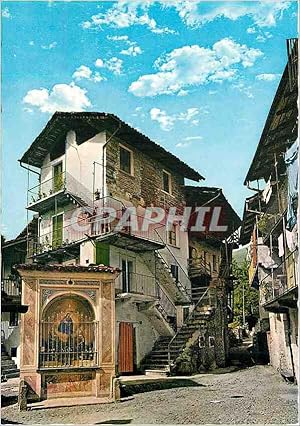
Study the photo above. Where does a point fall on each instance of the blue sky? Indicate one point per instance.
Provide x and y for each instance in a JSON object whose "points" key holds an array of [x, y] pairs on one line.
{"points": [[196, 77]]}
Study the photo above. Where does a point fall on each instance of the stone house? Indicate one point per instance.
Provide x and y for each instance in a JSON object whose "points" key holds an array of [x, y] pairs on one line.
{"points": [[270, 223], [91, 163]]}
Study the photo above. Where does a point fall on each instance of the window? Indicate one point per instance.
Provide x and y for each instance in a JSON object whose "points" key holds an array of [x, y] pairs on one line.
{"points": [[166, 182], [127, 270], [172, 236], [211, 341], [201, 342], [174, 271], [58, 177], [214, 259], [125, 160], [57, 230], [13, 319]]}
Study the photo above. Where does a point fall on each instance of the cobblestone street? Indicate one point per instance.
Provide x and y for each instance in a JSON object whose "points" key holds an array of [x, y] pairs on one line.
{"points": [[253, 395]]}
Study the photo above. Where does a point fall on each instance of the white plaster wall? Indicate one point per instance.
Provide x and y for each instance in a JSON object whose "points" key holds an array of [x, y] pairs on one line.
{"points": [[12, 337], [146, 335], [280, 357], [139, 266], [87, 253], [78, 160]]}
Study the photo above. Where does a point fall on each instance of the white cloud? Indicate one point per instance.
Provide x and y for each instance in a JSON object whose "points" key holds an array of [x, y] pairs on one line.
{"points": [[132, 51], [117, 38], [49, 46], [99, 63], [263, 13], [124, 14], [167, 122], [6, 13], [246, 90], [84, 72], [31, 43], [195, 65], [133, 48], [183, 144], [62, 97], [267, 77], [251, 30], [261, 38], [113, 64], [193, 138]]}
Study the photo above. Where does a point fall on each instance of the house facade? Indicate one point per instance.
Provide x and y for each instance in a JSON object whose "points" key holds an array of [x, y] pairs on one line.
{"points": [[270, 223], [97, 178]]}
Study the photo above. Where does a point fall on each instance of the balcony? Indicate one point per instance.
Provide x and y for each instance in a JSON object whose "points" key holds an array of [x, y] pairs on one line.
{"points": [[11, 287], [278, 289], [141, 288], [99, 227], [58, 191], [274, 211]]}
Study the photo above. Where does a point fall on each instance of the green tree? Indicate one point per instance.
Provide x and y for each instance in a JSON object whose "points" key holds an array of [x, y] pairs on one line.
{"points": [[251, 295]]}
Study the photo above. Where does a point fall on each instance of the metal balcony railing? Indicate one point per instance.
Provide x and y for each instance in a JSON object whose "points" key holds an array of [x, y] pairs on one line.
{"points": [[274, 210], [11, 287], [62, 182], [276, 283], [85, 225], [137, 284]]}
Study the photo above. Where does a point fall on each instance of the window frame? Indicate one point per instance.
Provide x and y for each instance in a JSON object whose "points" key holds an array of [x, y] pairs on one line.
{"points": [[52, 228], [131, 166], [172, 236], [164, 172]]}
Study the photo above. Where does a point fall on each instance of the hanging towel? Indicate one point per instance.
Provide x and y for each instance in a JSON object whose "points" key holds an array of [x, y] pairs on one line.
{"points": [[280, 246]]}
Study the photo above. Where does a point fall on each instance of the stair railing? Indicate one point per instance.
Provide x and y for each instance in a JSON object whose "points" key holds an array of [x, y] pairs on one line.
{"points": [[182, 281], [189, 318]]}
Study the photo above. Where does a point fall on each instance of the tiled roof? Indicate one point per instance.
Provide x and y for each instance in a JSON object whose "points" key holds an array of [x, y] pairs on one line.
{"points": [[66, 268]]}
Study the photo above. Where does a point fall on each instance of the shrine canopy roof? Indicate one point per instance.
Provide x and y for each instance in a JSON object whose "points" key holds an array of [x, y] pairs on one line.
{"points": [[66, 268]]}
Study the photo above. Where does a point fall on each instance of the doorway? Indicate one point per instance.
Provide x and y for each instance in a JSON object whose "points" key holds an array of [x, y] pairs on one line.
{"points": [[127, 348]]}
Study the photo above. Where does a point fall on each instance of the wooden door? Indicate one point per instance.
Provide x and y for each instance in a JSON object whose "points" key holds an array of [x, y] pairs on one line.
{"points": [[126, 348]]}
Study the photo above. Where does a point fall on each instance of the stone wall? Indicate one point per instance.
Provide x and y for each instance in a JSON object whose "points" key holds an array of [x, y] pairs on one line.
{"points": [[278, 343], [144, 187]]}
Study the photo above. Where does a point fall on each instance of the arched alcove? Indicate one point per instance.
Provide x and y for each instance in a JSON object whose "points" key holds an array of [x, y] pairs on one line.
{"points": [[68, 333]]}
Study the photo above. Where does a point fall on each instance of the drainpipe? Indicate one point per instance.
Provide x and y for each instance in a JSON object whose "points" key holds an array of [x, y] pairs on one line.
{"points": [[27, 168], [103, 152]]}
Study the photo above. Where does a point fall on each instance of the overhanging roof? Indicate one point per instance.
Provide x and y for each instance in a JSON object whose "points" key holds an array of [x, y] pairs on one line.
{"points": [[88, 124], [252, 204], [197, 196], [280, 130]]}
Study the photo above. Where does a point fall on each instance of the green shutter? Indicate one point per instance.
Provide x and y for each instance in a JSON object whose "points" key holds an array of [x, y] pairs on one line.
{"points": [[57, 231], [102, 253]]}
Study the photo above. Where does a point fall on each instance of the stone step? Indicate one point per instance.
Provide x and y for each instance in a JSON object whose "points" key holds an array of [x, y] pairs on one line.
{"points": [[157, 372]]}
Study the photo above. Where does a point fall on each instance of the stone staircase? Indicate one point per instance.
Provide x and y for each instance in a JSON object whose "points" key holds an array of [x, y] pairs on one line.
{"points": [[157, 361], [8, 366], [176, 288]]}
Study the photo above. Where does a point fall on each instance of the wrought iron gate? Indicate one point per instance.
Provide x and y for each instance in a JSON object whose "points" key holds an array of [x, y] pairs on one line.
{"points": [[68, 340]]}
